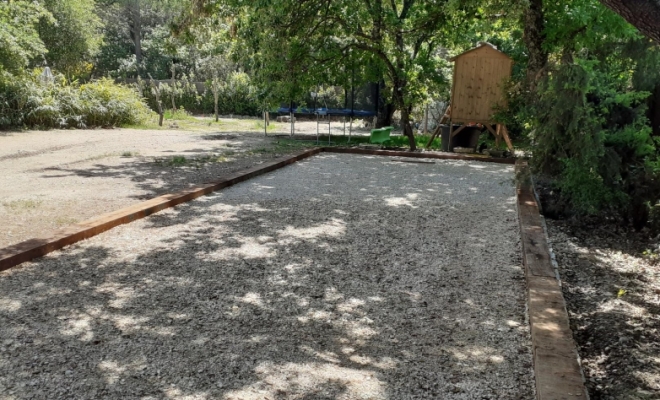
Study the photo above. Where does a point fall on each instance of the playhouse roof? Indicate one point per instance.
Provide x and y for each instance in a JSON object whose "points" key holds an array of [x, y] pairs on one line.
{"points": [[482, 47]]}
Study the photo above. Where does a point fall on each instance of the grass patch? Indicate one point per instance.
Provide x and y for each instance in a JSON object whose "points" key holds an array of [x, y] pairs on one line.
{"points": [[62, 221], [178, 115], [259, 126], [420, 141], [178, 161], [22, 205], [194, 162], [130, 154], [395, 141]]}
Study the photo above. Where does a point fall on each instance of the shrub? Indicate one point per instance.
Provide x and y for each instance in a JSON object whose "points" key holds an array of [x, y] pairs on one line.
{"points": [[592, 135], [237, 95], [25, 101]]}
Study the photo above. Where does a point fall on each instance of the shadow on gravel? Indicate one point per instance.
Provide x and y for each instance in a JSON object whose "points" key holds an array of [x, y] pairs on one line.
{"points": [[261, 296], [175, 172], [612, 292]]}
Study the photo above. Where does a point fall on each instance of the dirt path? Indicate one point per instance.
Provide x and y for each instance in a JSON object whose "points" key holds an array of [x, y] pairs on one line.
{"points": [[56, 178], [611, 283], [339, 277]]}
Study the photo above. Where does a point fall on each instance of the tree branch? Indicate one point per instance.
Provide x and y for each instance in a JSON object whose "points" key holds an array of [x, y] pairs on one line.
{"points": [[643, 14]]}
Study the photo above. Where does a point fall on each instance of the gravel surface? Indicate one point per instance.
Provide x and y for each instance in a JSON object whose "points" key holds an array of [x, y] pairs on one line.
{"points": [[338, 277], [611, 283], [52, 179]]}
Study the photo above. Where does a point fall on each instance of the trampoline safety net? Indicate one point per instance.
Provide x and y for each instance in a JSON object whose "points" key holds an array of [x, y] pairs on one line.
{"points": [[361, 101]]}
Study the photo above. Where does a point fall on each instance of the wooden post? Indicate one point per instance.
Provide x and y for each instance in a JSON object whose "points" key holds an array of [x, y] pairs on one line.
{"points": [[293, 127], [438, 129], [265, 123], [350, 130], [156, 90], [507, 139], [216, 91], [451, 135], [173, 87], [436, 132]]}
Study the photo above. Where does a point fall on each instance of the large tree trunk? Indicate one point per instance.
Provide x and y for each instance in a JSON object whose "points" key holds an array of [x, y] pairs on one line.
{"points": [[407, 128], [643, 14], [534, 38], [385, 108], [135, 28]]}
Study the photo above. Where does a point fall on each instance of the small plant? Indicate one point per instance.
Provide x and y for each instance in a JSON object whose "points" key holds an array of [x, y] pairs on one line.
{"points": [[129, 154], [62, 221], [259, 126], [178, 115], [178, 161], [22, 205]]}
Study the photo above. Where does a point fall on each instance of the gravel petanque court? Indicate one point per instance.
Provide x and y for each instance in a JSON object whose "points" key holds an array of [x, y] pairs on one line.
{"points": [[337, 277]]}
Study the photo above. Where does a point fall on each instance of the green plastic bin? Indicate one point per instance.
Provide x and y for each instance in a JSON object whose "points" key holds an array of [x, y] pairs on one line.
{"points": [[380, 135]]}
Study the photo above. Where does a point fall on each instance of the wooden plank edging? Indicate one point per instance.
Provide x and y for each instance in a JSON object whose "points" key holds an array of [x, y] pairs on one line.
{"points": [[412, 154], [556, 367], [33, 248]]}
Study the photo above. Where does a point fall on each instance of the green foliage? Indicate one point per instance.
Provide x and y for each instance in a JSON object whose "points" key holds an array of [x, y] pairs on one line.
{"points": [[237, 95], [27, 102], [19, 37], [146, 24], [297, 46], [591, 132], [73, 37]]}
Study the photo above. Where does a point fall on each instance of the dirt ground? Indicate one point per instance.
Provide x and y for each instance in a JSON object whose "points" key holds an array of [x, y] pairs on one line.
{"points": [[338, 277], [51, 179], [611, 283]]}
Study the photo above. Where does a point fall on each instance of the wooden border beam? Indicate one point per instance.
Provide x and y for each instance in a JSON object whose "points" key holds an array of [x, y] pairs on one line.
{"points": [[556, 368]]}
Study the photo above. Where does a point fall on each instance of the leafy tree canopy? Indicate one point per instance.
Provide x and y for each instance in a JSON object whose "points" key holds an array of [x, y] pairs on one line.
{"points": [[19, 36], [73, 37]]}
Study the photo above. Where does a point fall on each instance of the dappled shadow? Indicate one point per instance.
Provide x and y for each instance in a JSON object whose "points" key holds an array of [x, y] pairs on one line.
{"points": [[611, 291], [297, 284], [174, 170]]}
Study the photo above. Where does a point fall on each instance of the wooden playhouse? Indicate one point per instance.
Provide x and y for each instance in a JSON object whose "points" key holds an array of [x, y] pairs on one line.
{"points": [[478, 90]]}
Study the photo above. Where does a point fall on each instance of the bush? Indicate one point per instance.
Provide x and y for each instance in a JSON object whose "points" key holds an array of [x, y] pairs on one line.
{"points": [[237, 95], [27, 102], [593, 137]]}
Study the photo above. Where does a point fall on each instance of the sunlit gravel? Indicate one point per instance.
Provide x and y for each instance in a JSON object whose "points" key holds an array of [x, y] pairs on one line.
{"points": [[338, 277]]}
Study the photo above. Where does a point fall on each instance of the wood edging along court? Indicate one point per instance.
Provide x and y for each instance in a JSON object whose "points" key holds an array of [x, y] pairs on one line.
{"points": [[557, 371], [556, 367]]}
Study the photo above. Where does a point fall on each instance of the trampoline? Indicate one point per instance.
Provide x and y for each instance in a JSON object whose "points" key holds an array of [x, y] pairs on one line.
{"points": [[359, 102]]}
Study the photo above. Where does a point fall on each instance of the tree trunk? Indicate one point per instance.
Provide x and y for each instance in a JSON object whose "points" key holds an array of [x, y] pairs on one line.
{"points": [[135, 28], [406, 128], [654, 111], [533, 37], [156, 90], [385, 114], [173, 88], [215, 98], [643, 14], [385, 109]]}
